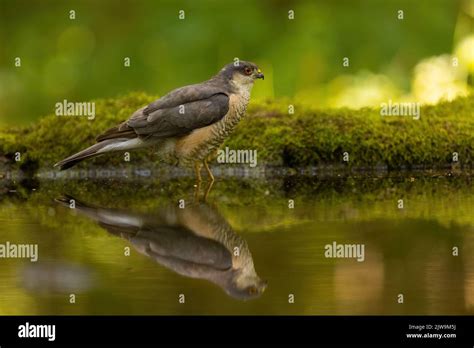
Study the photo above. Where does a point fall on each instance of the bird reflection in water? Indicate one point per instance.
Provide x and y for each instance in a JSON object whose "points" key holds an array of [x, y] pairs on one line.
{"points": [[195, 242]]}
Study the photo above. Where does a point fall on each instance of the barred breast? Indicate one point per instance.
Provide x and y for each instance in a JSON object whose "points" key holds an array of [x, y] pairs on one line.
{"points": [[204, 141]]}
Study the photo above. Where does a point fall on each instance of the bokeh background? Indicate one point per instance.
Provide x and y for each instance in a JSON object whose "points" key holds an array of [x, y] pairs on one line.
{"points": [[82, 59], [409, 250]]}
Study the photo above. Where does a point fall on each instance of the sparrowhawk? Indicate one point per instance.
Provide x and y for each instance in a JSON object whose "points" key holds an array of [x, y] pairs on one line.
{"points": [[186, 125], [195, 242]]}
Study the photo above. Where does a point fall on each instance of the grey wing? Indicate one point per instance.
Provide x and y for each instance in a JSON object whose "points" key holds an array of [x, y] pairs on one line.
{"points": [[184, 95], [180, 119], [180, 244]]}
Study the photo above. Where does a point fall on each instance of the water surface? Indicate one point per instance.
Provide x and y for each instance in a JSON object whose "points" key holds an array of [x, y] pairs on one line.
{"points": [[245, 251]]}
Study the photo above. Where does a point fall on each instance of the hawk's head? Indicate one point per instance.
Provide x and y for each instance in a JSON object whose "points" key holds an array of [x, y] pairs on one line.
{"points": [[241, 73]]}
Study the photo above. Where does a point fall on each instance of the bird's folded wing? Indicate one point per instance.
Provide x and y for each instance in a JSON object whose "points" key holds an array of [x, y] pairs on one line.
{"points": [[184, 95], [178, 243], [180, 119]]}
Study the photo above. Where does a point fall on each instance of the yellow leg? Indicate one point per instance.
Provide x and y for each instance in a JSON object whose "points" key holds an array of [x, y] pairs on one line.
{"points": [[208, 170], [208, 189], [211, 181], [197, 169]]}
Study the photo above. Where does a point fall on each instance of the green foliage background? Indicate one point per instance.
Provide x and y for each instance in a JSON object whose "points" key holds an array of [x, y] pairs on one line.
{"points": [[82, 59]]}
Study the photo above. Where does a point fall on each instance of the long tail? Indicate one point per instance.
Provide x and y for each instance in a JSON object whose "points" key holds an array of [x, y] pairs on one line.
{"points": [[96, 150], [117, 222]]}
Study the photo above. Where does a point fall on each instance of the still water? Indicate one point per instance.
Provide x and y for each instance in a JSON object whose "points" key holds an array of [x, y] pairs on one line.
{"points": [[257, 246]]}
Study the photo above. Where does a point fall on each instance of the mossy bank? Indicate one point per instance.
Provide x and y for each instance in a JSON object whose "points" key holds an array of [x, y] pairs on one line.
{"points": [[307, 137]]}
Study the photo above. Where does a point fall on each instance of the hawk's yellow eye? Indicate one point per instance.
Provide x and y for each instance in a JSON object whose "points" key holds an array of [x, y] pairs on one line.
{"points": [[247, 71]]}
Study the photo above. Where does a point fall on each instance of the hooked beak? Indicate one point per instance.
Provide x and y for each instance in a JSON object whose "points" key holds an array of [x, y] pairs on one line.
{"points": [[260, 75]]}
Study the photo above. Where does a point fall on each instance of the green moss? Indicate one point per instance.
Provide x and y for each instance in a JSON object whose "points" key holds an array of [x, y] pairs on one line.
{"points": [[308, 137], [320, 137]]}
